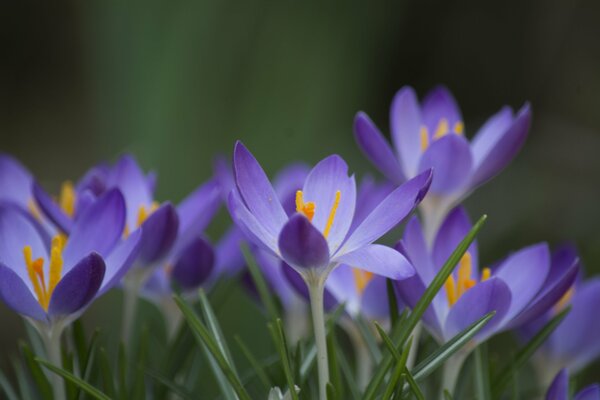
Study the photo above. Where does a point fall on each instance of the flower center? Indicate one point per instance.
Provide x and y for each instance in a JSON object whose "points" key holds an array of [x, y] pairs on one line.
{"points": [[361, 279], [66, 198], [442, 129], [456, 288], [35, 269], [142, 215], [308, 209]]}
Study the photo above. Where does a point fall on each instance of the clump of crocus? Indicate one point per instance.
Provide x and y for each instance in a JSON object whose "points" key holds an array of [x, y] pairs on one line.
{"points": [[559, 389], [318, 237], [518, 289], [432, 134]]}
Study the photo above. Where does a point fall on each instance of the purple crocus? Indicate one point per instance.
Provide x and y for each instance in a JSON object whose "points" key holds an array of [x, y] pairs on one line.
{"points": [[159, 221], [432, 135], [52, 284], [519, 288], [559, 389]]}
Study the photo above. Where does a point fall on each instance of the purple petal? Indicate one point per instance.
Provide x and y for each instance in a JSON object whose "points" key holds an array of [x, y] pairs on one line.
{"points": [[392, 210], [450, 158], [525, 273], [329, 176], [496, 144], [78, 286], [120, 260], [374, 301], [194, 264], [273, 273], [490, 295], [16, 232], [249, 225], [302, 245], [341, 283], [591, 392], [256, 190], [52, 210], [370, 195], [198, 208], [453, 230], [17, 296], [98, 229], [228, 256], [405, 122], [559, 389], [376, 148], [94, 180], [380, 260], [439, 103], [563, 272], [415, 249], [15, 181], [288, 182], [159, 232]]}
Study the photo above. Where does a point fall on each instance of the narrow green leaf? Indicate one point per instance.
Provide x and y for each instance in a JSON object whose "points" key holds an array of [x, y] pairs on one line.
{"points": [[78, 336], [122, 371], [9, 391], [68, 361], [166, 382], [370, 339], [42, 384], [254, 363], [261, 285], [83, 385], [138, 385], [423, 303], [482, 372], [22, 381], [87, 367], [400, 364], [392, 301], [388, 342], [106, 372], [334, 371], [203, 337], [331, 394], [440, 355], [503, 379], [349, 377], [282, 348], [447, 395], [412, 384]]}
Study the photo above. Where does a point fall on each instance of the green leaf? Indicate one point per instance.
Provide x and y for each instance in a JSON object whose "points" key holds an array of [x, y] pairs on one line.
{"points": [[423, 303], [392, 301], [261, 285], [254, 363], [412, 384], [138, 385], [440, 355], [447, 395], [9, 391], [503, 379], [334, 371], [80, 383], [122, 370], [282, 348], [78, 335], [400, 363], [42, 384], [367, 333], [349, 377], [204, 337], [166, 382], [106, 371], [331, 394], [482, 373], [22, 381]]}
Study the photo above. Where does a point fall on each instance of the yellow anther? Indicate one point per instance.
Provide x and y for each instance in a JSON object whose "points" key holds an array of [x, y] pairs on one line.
{"points": [[306, 209], [35, 270], [143, 214], [464, 273], [361, 279], [486, 274], [334, 207], [459, 128], [424, 138], [564, 300], [450, 286], [442, 128], [34, 210], [66, 200], [56, 262]]}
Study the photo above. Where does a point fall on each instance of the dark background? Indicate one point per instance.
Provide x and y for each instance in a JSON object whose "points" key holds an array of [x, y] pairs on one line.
{"points": [[176, 83]]}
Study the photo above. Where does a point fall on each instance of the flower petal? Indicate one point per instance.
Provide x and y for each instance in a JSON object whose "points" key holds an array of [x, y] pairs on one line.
{"points": [[591, 392], [194, 264], [374, 302], [405, 123], [490, 295], [302, 245], [415, 249], [159, 232], [450, 158], [52, 210], [98, 229], [198, 208], [525, 273], [15, 181], [559, 389], [256, 190], [497, 143], [439, 103], [376, 148], [389, 213], [17, 296], [328, 177], [453, 230], [249, 225], [120, 259], [341, 283], [78, 286], [287, 182], [228, 257], [380, 260]]}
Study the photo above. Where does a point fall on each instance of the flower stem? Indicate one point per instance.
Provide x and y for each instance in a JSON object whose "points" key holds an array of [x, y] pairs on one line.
{"points": [[414, 347], [131, 288], [451, 372], [51, 337], [316, 293]]}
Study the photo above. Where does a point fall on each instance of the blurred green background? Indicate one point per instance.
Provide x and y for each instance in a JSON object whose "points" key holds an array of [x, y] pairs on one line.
{"points": [[177, 82]]}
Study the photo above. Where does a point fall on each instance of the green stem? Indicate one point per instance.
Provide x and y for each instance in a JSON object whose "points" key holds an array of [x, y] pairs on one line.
{"points": [[414, 347], [451, 372], [131, 287], [316, 293], [51, 337]]}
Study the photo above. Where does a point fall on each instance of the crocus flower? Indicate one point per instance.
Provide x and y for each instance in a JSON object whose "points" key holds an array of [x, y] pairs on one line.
{"points": [[574, 343], [519, 288], [432, 135], [53, 284], [160, 222], [559, 389], [317, 237]]}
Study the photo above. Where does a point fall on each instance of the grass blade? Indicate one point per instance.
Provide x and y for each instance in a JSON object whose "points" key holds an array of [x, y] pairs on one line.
{"points": [[7, 388], [254, 363], [399, 369], [482, 373], [392, 301], [412, 384], [281, 345], [80, 383], [41, 382], [261, 285]]}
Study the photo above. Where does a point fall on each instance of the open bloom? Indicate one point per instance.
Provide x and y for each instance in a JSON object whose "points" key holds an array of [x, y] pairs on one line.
{"points": [[432, 135], [559, 389], [519, 288], [318, 236], [55, 281], [574, 343], [160, 221]]}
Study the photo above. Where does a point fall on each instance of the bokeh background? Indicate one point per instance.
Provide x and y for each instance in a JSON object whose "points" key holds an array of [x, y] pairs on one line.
{"points": [[177, 82]]}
